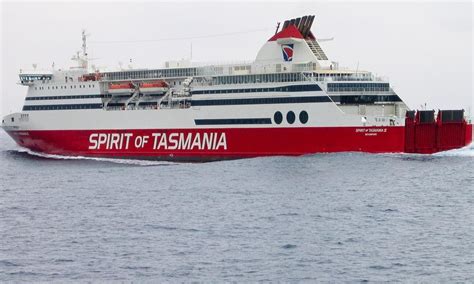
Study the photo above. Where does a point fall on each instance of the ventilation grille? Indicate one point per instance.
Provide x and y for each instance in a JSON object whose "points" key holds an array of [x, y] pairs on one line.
{"points": [[316, 49]]}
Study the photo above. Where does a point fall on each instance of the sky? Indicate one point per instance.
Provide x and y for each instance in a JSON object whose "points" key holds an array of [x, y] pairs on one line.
{"points": [[425, 49]]}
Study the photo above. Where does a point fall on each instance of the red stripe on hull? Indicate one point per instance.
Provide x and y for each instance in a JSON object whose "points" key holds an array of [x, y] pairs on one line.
{"points": [[237, 142]]}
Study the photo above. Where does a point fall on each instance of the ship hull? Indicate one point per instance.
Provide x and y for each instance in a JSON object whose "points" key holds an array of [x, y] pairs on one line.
{"points": [[183, 135], [211, 144]]}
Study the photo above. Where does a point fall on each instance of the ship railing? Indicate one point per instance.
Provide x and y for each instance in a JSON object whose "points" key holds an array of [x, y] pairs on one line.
{"points": [[358, 91], [213, 75], [273, 78], [328, 77], [243, 68]]}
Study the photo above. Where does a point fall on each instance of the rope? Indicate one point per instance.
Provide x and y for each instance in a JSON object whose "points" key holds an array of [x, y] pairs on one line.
{"points": [[180, 38]]}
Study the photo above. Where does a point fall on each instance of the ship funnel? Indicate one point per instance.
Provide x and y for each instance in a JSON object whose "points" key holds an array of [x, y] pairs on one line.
{"points": [[303, 24], [297, 22], [307, 28]]}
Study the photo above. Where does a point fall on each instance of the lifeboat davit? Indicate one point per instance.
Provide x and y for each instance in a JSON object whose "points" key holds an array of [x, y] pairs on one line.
{"points": [[121, 88], [154, 87]]}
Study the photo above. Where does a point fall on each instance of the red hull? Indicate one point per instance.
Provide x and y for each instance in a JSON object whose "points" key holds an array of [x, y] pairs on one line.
{"points": [[237, 142]]}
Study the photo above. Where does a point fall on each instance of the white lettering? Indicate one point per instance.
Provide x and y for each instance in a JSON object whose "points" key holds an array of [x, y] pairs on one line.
{"points": [[222, 142], [93, 141], [163, 142], [114, 141], [110, 141], [145, 140], [196, 142], [173, 142], [155, 141], [102, 139], [127, 135], [184, 144], [207, 141]]}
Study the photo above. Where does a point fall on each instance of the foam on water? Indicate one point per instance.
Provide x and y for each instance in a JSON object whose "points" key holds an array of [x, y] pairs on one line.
{"points": [[467, 151], [135, 162]]}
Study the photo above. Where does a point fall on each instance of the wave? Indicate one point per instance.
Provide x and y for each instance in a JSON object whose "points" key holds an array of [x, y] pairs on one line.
{"points": [[134, 162], [467, 151]]}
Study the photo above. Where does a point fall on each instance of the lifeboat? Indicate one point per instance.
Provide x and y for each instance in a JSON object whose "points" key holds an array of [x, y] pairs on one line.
{"points": [[90, 77], [153, 87], [121, 88]]}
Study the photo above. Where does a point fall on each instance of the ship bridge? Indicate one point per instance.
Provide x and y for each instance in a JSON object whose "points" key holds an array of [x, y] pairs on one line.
{"points": [[30, 77]]}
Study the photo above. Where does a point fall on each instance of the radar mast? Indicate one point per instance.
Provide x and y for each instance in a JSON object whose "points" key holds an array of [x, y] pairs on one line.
{"points": [[82, 59]]}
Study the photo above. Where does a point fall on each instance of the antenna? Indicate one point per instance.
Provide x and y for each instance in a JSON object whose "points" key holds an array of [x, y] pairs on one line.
{"points": [[325, 39], [84, 43], [191, 55], [83, 60]]}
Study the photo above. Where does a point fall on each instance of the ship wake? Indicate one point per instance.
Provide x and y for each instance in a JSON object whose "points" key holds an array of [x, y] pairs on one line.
{"points": [[467, 151], [132, 162]]}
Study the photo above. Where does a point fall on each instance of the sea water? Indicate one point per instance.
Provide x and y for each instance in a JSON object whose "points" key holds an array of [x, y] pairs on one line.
{"points": [[327, 217]]}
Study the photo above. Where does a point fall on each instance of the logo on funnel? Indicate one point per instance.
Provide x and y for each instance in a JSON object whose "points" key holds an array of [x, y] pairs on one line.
{"points": [[287, 50]]}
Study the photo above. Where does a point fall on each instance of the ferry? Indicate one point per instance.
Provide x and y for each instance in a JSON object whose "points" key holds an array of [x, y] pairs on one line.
{"points": [[291, 100]]}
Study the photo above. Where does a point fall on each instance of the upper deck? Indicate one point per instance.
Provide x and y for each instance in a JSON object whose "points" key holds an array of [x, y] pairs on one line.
{"points": [[262, 73]]}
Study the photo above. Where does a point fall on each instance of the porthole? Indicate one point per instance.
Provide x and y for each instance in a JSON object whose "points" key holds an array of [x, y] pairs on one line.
{"points": [[278, 117], [290, 117], [303, 117]]}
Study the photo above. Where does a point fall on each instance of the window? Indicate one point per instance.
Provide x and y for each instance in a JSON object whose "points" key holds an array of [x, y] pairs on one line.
{"points": [[278, 117], [290, 117], [304, 117]]}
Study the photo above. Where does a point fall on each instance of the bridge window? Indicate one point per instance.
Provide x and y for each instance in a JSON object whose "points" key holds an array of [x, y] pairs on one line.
{"points": [[358, 87]]}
